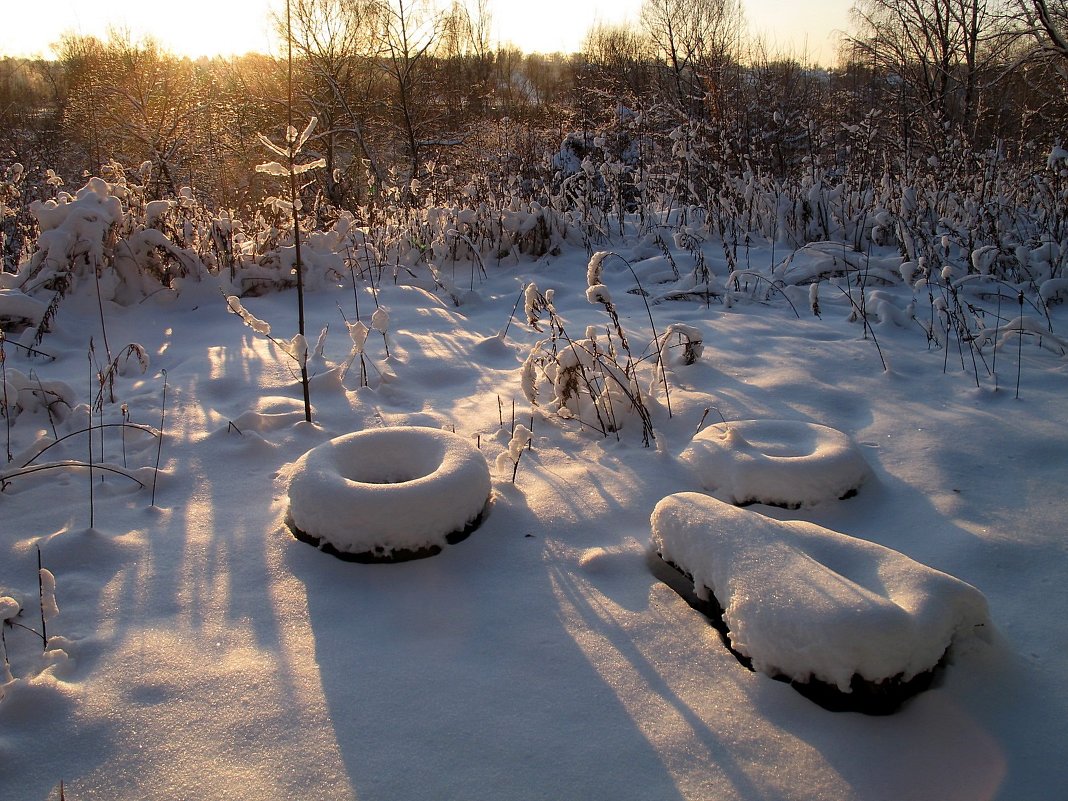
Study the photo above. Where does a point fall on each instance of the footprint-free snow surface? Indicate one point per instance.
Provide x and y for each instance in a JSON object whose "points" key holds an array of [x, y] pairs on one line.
{"points": [[201, 652]]}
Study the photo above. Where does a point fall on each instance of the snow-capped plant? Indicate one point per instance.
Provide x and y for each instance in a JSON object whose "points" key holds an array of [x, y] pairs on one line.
{"points": [[16, 223], [49, 607], [587, 381], [259, 326], [132, 357], [690, 338], [27, 392], [106, 234], [291, 170], [358, 334], [380, 323], [508, 460], [11, 609], [599, 293]]}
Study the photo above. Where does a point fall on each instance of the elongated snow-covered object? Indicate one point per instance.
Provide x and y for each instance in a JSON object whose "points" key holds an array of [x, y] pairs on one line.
{"points": [[813, 605]]}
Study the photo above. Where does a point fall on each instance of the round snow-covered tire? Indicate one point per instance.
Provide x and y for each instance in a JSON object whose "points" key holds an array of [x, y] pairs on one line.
{"points": [[388, 494], [786, 463]]}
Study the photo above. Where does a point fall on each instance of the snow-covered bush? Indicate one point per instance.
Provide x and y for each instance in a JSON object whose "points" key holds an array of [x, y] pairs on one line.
{"points": [[102, 239]]}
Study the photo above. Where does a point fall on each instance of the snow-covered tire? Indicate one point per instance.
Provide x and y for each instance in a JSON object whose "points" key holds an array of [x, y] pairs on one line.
{"points": [[388, 494], [788, 463], [849, 623]]}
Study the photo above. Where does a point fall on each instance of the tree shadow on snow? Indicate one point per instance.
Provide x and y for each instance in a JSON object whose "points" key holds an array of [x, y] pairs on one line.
{"points": [[452, 677]]}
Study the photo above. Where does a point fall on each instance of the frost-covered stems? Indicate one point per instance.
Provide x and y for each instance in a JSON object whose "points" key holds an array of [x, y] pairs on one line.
{"points": [[300, 293], [1019, 345], [92, 504], [586, 379], [734, 281], [3, 386], [46, 587], [9, 610], [380, 323], [159, 444], [563, 378], [296, 348], [599, 293], [691, 339], [857, 311], [106, 376], [358, 334]]}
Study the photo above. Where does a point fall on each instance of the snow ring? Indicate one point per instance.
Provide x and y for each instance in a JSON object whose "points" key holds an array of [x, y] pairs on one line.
{"points": [[786, 463], [388, 494]]}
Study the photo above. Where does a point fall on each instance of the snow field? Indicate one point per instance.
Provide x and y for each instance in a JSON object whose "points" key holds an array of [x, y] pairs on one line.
{"points": [[208, 654]]}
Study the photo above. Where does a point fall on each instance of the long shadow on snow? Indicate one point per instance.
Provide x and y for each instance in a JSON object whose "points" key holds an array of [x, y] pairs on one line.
{"points": [[947, 742], [195, 613], [451, 677]]}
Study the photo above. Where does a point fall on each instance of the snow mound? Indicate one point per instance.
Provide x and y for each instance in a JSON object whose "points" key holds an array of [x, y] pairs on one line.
{"points": [[810, 604], [788, 463], [388, 494], [18, 309]]}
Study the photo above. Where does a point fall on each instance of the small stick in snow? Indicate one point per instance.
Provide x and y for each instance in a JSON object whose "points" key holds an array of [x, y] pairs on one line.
{"points": [[159, 445], [40, 593]]}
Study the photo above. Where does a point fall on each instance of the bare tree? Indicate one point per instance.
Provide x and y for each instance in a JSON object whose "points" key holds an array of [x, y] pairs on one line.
{"points": [[464, 61], [135, 99], [82, 62], [408, 30], [619, 55], [697, 40], [386, 79], [334, 44], [1046, 23], [936, 51]]}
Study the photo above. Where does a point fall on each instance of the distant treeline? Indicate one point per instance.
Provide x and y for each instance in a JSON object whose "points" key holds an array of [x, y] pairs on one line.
{"points": [[412, 101]]}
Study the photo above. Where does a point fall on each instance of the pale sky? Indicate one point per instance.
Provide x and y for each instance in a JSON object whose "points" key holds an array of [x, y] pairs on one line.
{"points": [[227, 27]]}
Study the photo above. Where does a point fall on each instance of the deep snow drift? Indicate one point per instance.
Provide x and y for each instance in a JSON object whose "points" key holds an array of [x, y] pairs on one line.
{"points": [[200, 651]]}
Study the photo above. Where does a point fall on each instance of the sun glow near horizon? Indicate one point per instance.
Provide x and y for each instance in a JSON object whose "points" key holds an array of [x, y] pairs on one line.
{"points": [[232, 27], [195, 28]]}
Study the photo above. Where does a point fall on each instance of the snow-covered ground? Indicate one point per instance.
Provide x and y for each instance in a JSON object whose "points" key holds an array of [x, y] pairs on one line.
{"points": [[201, 652]]}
